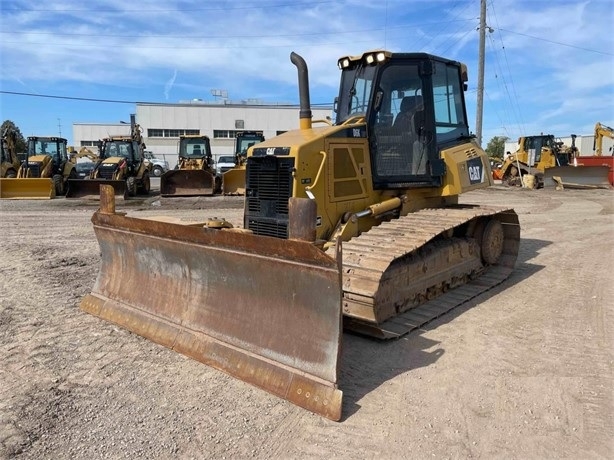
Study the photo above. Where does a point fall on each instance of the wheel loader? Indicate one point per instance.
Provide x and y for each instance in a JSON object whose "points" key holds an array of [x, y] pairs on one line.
{"points": [[233, 180], [194, 174], [545, 158], [353, 224], [44, 173], [121, 164]]}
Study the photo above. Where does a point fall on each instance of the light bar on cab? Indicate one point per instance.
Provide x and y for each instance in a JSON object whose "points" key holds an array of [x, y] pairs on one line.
{"points": [[368, 58]]}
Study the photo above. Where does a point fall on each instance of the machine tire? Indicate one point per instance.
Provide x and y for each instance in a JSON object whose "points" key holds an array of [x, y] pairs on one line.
{"points": [[131, 186], [157, 171], [145, 184], [12, 174], [58, 184]]}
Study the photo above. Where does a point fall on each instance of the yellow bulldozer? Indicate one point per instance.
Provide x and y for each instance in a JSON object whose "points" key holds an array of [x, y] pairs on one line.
{"points": [[121, 164], [548, 162], [194, 174], [233, 179], [355, 224], [44, 173], [9, 163]]}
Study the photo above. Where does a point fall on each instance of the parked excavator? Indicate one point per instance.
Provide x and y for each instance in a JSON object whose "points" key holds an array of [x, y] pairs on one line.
{"points": [[9, 163], [543, 157], [194, 174], [233, 180], [121, 164], [354, 224], [44, 173]]}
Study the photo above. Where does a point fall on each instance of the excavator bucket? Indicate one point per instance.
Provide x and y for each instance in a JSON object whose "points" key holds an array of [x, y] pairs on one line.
{"points": [[241, 303], [89, 189], [27, 188], [187, 182], [233, 182], [579, 177]]}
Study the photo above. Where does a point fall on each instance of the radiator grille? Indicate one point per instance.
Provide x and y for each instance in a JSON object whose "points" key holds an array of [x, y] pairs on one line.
{"points": [[268, 188]]}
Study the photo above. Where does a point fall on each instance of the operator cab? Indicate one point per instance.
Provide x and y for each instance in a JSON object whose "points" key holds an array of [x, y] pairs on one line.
{"points": [[413, 105], [196, 148], [54, 147]]}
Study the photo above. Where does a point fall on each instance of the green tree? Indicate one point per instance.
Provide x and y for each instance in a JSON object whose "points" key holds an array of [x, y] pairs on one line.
{"points": [[20, 142], [496, 146]]}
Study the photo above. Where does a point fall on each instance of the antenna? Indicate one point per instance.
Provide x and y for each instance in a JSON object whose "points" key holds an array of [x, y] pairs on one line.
{"points": [[60, 126]]}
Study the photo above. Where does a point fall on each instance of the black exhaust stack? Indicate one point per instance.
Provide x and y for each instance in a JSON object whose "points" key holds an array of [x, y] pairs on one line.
{"points": [[303, 89]]}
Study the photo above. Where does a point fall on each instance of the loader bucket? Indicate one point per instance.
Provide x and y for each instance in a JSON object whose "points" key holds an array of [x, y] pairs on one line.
{"points": [[89, 189], [233, 182], [27, 188], [187, 182], [265, 310], [579, 177]]}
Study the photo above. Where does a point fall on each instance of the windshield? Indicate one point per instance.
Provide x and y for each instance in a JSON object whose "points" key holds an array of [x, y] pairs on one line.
{"points": [[244, 144], [193, 148], [226, 159], [118, 149], [55, 149], [355, 92]]}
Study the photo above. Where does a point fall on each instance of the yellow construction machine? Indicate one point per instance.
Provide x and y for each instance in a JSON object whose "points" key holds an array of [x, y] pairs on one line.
{"points": [[9, 163], [44, 173], [353, 224], [548, 161], [194, 174], [233, 179], [121, 164]]}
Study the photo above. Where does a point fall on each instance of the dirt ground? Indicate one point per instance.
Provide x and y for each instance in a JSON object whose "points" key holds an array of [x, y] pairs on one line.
{"points": [[524, 371]]}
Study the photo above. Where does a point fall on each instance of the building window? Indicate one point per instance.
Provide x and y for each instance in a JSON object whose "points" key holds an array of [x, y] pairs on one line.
{"points": [[226, 133], [172, 132], [88, 143]]}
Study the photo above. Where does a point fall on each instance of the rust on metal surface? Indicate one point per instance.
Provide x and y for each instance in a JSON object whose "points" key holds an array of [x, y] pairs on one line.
{"points": [[578, 177], [302, 216], [89, 189], [402, 265], [187, 182], [241, 303]]}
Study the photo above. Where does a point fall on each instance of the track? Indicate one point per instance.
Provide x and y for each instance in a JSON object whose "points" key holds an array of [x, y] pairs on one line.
{"points": [[406, 272]]}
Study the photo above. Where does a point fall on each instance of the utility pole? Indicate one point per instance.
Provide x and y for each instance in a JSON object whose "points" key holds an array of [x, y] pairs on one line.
{"points": [[60, 127], [480, 106]]}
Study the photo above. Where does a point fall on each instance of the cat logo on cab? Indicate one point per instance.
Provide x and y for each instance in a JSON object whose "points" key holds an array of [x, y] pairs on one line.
{"points": [[476, 171]]}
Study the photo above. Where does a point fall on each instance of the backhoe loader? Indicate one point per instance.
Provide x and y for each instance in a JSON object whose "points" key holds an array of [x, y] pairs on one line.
{"points": [[194, 174], [353, 224], [44, 173], [9, 163], [121, 164], [233, 180]]}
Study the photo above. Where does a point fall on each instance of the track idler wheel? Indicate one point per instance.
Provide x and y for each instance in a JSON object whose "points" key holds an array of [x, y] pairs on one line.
{"points": [[489, 235]]}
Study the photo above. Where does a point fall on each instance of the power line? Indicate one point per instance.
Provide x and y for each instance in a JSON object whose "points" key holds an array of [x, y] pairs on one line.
{"points": [[559, 43], [118, 101], [149, 10]]}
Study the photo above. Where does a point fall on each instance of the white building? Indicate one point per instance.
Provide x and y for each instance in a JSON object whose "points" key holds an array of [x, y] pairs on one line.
{"points": [[162, 124]]}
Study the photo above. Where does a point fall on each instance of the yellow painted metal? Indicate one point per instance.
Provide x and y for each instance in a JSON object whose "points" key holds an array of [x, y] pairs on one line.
{"points": [[27, 189]]}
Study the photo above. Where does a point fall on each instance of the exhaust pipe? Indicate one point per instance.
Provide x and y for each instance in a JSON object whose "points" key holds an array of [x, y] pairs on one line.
{"points": [[303, 89]]}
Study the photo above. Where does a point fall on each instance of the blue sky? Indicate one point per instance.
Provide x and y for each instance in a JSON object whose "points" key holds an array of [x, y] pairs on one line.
{"points": [[549, 64]]}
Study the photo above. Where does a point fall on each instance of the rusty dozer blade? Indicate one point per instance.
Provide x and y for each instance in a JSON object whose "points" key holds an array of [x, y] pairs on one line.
{"points": [[89, 189], [578, 177], [27, 188], [233, 181], [187, 182], [241, 303]]}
